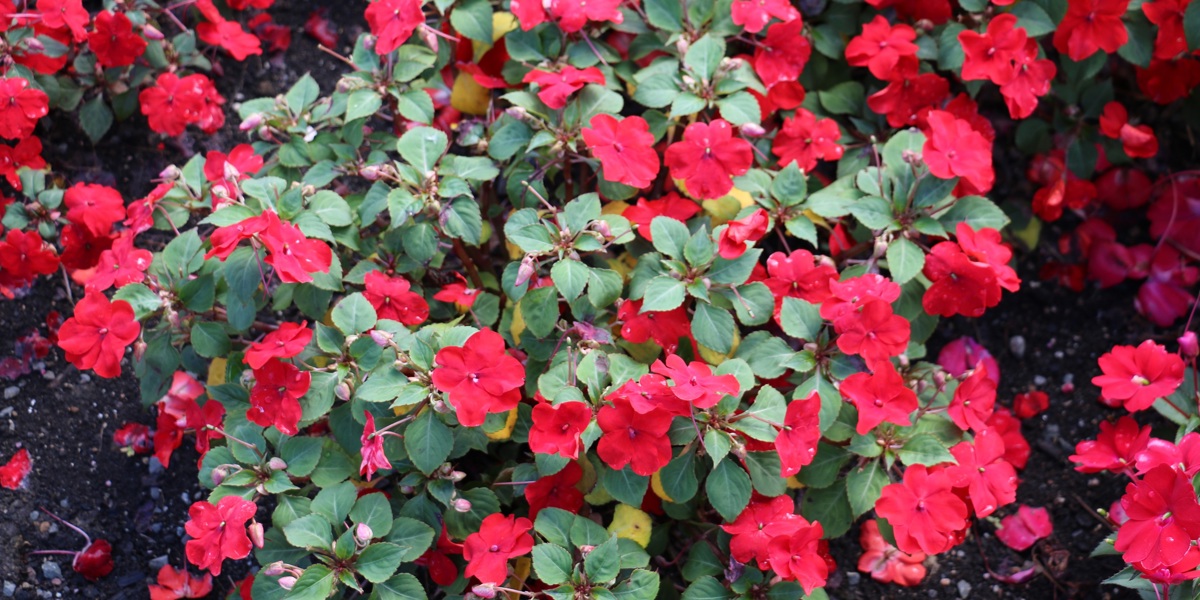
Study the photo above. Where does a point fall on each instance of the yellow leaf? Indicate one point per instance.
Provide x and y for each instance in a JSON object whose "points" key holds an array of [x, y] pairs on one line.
{"points": [[794, 484], [468, 96], [505, 432], [632, 524], [616, 207], [656, 485], [216, 372], [518, 322], [722, 210], [713, 357], [588, 480]]}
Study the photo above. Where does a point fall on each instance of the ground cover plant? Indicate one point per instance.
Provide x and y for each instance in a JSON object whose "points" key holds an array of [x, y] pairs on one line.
{"points": [[613, 299]]}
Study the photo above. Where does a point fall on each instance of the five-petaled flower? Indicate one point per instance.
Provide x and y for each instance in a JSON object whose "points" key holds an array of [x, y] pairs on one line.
{"points": [[624, 148], [479, 378], [97, 335], [218, 532], [708, 158], [1138, 376], [500, 538]]}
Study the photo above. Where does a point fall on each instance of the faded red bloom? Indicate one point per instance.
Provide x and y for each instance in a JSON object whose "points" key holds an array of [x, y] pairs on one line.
{"points": [[762, 520], [275, 397], [557, 427], [1116, 449], [94, 561], [753, 15], [24, 256], [393, 298], [134, 438], [459, 293], [1021, 530], [120, 265], [885, 562], [13, 472], [624, 148], [173, 583], [797, 441], [923, 511], [442, 570], [97, 335], [285, 342], [671, 205], [803, 139], [479, 377], [781, 56], [555, 87], [990, 55], [880, 46], [1090, 26], [954, 149], [973, 400], [1163, 519], [708, 158], [113, 41], [1138, 141], [991, 482], [500, 538], [229, 35], [880, 397], [320, 28], [634, 438], [694, 382], [1030, 404], [96, 207], [1136, 377], [556, 491], [798, 557], [393, 21], [732, 241], [139, 214], [373, 457], [218, 532], [666, 328]]}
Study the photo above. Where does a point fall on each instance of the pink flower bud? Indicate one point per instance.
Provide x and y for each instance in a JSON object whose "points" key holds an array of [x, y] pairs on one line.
{"points": [[525, 272], [34, 44], [429, 38], [275, 568], [383, 338], [152, 33], [369, 172], [462, 505], [231, 171], [752, 130], [252, 122], [219, 474], [1189, 345], [287, 582], [484, 590], [342, 391], [363, 533], [171, 172], [602, 228], [277, 464], [255, 531]]}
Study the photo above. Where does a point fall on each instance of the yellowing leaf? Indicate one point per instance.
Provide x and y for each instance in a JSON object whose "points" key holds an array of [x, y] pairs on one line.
{"points": [[794, 484], [722, 210], [468, 96], [713, 357], [632, 524], [588, 480], [505, 432], [656, 485], [518, 322], [216, 372], [616, 207]]}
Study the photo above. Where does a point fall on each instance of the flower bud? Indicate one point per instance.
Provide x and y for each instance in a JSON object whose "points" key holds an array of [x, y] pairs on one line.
{"points": [[1189, 345], [525, 271], [586, 550], [602, 228], [429, 38], [516, 112], [171, 172], [381, 337], [369, 172], [275, 568], [139, 350], [34, 44], [264, 132], [219, 474], [407, 490], [287, 582], [255, 531], [342, 391], [440, 407], [681, 45], [231, 171], [462, 505], [484, 590], [456, 476], [252, 122], [277, 464], [151, 32], [363, 534], [752, 130]]}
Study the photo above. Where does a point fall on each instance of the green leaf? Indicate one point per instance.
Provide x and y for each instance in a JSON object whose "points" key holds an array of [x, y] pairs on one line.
{"points": [[95, 118], [311, 531], [354, 314], [379, 561], [713, 328], [428, 442], [976, 211], [303, 93], [800, 318], [403, 586], [554, 524], [707, 588], [873, 212], [728, 488], [905, 260], [641, 585], [209, 339], [740, 108], [315, 584], [570, 276], [473, 18], [678, 478], [830, 507], [540, 309], [552, 564], [704, 56], [412, 535], [143, 301], [604, 287], [670, 236], [603, 563], [334, 502], [845, 98], [624, 485], [663, 293], [665, 14], [863, 487], [790, 185], [1191, 26], [924, 449], [374, 511], [423, 146], [362, 103], [331, 208], [462, 219]]}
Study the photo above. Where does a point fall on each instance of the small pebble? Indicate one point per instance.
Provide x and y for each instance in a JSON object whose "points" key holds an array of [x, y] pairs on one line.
{"points": [[1016, 344], [51, 570], [964, 589], [10, 588], [1039, 380], [11, 392], [157, 562], [853, 578]]}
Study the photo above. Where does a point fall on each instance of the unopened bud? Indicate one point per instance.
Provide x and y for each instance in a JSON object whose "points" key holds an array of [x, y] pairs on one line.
{"points": [[407, 490], [682, 45], [34, 44], [287, 582], [1189, 345], [151, 32], [516, 112], [485, 590], [345, 84], [911, 157], [252, 122], [525, 271], [689, 82], [752, 130], [231, 171], [275, 568], [602, 228], [264, 132], [342, 391], [939, 379], [429, 38], [456, 476], [139, 350], [586, 550], [440, 407], [462, 505], [277, 464], [381, 337], [370, 172], [219, 474], [171, 172], [255, 531], [363, 533]]}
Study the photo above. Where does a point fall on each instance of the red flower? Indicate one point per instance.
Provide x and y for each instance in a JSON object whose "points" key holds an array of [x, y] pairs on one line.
{"points": [[855, 292], [632, 437], [753, 15], [909, 95], [500, 538], [393, 21], [1138, 141], [924, 513], [113, 41], [1163, 519], [229, 35], [1090, 26], [555, 87], [960, 286], [879, 397], [1021, 530], [393, 298], [1171, 41], [571, 15], [239, 164], [557, 427], [694, 382], [874, 332], [27, 153], [973, 400], [458, 293], [750, 228], [226, 239], [798, 275], [708, 158], [96, 337], [1166, 81], [781, 56], [173, 583], [797, 557], [666, 328], [24, 256], [13, 472], [134, 438], [797, 441], [139, 214], [984, 246], [205, 420], [762, 520], [373, 457], [275, 397], [1016, 447], [803, 139], [172, 103], [1030, 404], [1136, 377], [624, 148], [650, 393], [294, 256], [990, 55], [479, 377], [955, 149], [1030, 81], [70, 14], [885, 562], [218, 532], [94, 561], [991, 482], [556, 491], [96, 207], [1116, 449], [671, 205], [287, 341], [880, 46], [120, 265]]}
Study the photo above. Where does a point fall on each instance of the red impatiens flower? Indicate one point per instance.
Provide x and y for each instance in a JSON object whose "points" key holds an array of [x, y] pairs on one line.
{"points": [[13, 472], [670, 205], [97, 335], [624, 148], [990, 481], [1116, 449], [226, 239], [732, 241], [973, 400], [909, 94], [81, 249], [239, 164], [650, 393], [708, 158], [1138, 141], [885, 562], [133, 438], [1163, 519], [753, 15], [1016, 447], [761, 520], [172, 584], [960, 285], [285, 342], [984, 246], [218, 532], [880, 396], [113, 41], [275, 397], [1030, 404], [294, 256], [1021, 530], [500, 538], [874, 332], [229, 35], [797, 441], [694, 382], [442, 570], [630, 437], [781, 56], [954, 149], [571, 15], [666, 328], [24, 256], [373, 457], [803, 139], [479, 377], [120, 265], [173, 103], [96, 207], [798, 275], [556, 491], [1136, 377], [68, 14], [557, 427], [925, 515], [94, 561], [798, 557], [990, 55], [880, 46], [1168, 15], [393, 298], [1030, 80], [459, 293], [27, 153], [393, 21], [555, 87], [1090, 26]]}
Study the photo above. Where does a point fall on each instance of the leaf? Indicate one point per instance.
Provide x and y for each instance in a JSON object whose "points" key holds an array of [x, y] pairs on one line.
{"points": [[143, 301], [554, 524], [800, 318], [403, 586], [209, 339], [1191, 26], [678, 478], [728, 488], [830, 507], [354, 314], [316, 583], [95, 118], [570, 276], [311, 531], [473, 18], [412, 535], [706, 588], [905, 260], [704, 56], [552, 564], [303, 93], [790, 185], [331, 208], [845, 98], [670, 236], [863, 487], [924, 449], [665, 14], [362, 103], [663, 293], [740, 108], [422, 147], [334, 502], [624, 485], [379, 561], [540, 310], [604, 562], [374, 511], [428, 442], [976, 211], [713, 327]]}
